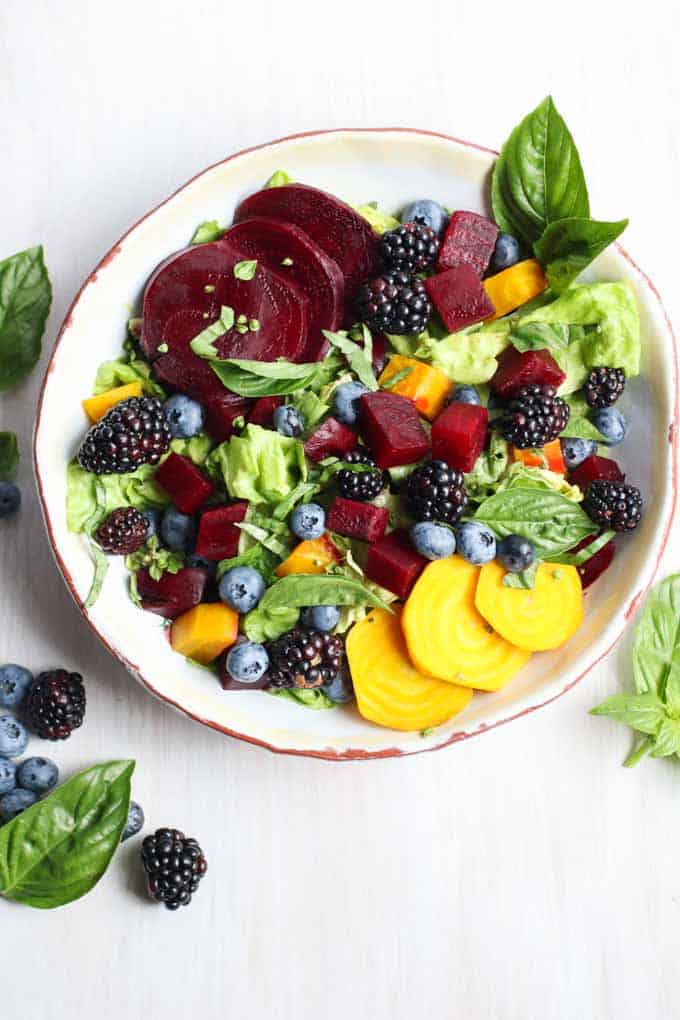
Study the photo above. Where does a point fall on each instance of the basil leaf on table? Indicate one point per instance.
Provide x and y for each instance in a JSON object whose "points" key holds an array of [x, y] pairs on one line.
{"points": [[358, 358], [297, 590], [538, 176], [9, 456], [567, 246], [25, 299], [642, 712], [551, 521], [57, 850]]}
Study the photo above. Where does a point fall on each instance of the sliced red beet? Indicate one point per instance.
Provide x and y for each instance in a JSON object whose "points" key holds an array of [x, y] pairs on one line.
{"points": [[218, 536], [272, 243], [459, 297], [185, 295], [593, 468], [394, 564], [173, 594], [263, 410], [364, 521], [335, 226], [469, 241], [459, 435], [228, 682], [517, 369], [392, 429], [222, 411], [186, 484], [597, 564], [330, 439]]}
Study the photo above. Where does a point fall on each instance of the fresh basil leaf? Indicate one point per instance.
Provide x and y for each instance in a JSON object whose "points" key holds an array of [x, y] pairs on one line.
{"points": [[156, 559], [264, 378], [656, 647], [314, 698], [642, 712], [577, 559], [358, 358], [667, 740], [551, 521], [208, 231], [538, 176], [567, 246], [540, 336], [267, 624], [246, 269], [9, 456], [642, 747], [58, 849], [523, 578], [25, 299], [204, 344], [319, 590]]}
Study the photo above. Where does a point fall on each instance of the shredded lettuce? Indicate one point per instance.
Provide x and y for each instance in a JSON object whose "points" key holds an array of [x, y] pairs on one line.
{"points": [[491, 465], [521, 476], [260, 465], [123, 371], [196, 449], [136, 489]]}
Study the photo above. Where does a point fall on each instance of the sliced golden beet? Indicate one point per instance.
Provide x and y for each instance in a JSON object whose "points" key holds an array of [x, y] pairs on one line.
{"points": [[535, 619], [447, 637], [390, 691]]}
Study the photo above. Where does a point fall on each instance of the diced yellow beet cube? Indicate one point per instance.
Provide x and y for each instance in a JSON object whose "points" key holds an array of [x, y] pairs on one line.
{"points": [[96, 407], [205, 631], [427, 387], [309, 557], [512, 287]]}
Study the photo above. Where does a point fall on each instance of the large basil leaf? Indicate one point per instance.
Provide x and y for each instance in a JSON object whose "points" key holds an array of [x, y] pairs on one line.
{"points": [[550, 520], [538, 176], [298, 590], [567, 246], [9, 455], [58, 849], [264, 378], [25, 299], [577, 559], [656, 649], [642, 712]]}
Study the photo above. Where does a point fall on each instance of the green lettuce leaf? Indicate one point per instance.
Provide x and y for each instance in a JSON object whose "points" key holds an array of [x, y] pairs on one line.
{"points": [[266, 623], [491, 465], [465, 357], [260, 465], [521, 476], [278, 178], [136, 489], [196, 449], [123, 371], [380, 221]]}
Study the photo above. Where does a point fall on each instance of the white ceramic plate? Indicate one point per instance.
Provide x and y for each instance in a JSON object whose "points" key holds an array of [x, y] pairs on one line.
{"points": [[391, 166]]}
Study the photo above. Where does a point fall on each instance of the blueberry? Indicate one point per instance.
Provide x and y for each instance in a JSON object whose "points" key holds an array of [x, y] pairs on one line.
{"points": [[308, 521], [464, 395], [288, 421], [432, 214], [433, 541], [178, 531], [242, 588], [323, 618], [575, 451], [37, 774], [135, 821], [13, 803], [14, 684], [13, 737], [340, 689], [476, 543], [346, 402], [153, 518], [184, 416], [515, 553], [505, 254], [10, 499], [611, 423], [7, 775], [247, 662]]}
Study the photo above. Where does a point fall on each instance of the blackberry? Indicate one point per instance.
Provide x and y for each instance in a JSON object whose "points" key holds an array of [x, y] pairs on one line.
{"points": [[534, 417], [132, 433], [361, 485], [56, 704], [411, 248], [395, 302], [123, 532], [613, 505], [435, 492], [604, 386], [304, 658], [359, 455], [174, 865]]}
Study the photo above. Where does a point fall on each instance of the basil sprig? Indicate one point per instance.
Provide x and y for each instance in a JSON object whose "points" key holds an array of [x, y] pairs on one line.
{"points": [[567, 246], [25, 299]]}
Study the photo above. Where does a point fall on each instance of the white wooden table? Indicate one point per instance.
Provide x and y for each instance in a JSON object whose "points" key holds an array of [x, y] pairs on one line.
{"points": [[520, 875]]}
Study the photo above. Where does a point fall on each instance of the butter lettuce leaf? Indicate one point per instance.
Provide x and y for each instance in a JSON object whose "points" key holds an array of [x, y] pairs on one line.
{"points": [[491, 465], [466, 357], [137, 489], [521, 476], [259, 465], [126, 370]]}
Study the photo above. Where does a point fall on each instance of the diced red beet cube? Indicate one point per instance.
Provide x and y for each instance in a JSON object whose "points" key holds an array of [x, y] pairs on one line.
{"points": [[459, 297], [394, 564], [221, 413], [593, 468], [392, 429], [218, 535], [186, 484], [330, 439], [597, 564], [172, 594], [357, 520], [229, 684], [459, 435], [263, 411], [469, 240], [517, 369]]}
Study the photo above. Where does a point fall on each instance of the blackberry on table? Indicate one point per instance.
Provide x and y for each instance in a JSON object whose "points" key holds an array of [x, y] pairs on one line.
{"points": [[132, 433], [123, 532], [604, 386], [411, 248], [55, 705], [175, 865], [395, 302], [435, 492], [534, 417], [304, 658], [613, 505]]}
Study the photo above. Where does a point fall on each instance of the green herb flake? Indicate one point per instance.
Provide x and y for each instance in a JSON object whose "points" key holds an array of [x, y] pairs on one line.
{"points": [[254, 325], [241, 328], [209, 288], [162, 348], [204, 344], [207, 232], [245, 270], [287, 261]]}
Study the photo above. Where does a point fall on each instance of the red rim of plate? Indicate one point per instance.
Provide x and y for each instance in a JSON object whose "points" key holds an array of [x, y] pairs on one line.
{"points": [[350, 754]]}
